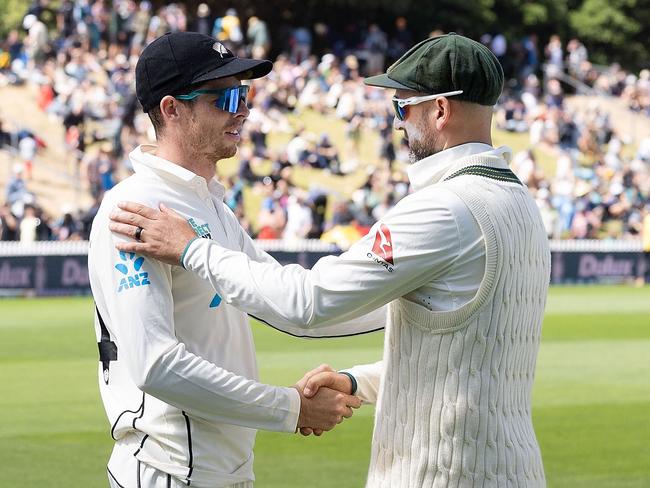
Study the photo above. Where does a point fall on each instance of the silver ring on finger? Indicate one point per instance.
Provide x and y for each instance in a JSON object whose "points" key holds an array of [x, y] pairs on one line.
{"points": [[138, 233]]}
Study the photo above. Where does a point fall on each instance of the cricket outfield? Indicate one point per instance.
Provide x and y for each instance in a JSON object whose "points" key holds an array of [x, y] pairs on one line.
{"points": [[591, 398]]}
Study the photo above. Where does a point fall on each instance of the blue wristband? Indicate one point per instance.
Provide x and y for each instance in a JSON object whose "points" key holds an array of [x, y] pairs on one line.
{"points": [[185, 251], [352, 379]]}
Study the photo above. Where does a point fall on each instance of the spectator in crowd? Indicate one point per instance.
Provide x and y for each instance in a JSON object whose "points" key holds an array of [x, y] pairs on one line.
{"points": [[376, 45], [27, 147], [401, 40], [554, 56], [140, 26], [227, 29], [272, 216], [203, 20], [531, 57], [576, 58], [301, 44], [29, 225], [9, 224], [67, 229], [16, 187], [37, 41], [499, 46], [299, 217], [258, 38], [5, 137]]}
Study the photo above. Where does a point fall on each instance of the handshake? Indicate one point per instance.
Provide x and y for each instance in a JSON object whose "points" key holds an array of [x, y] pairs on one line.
{"points": [[325, 400]]}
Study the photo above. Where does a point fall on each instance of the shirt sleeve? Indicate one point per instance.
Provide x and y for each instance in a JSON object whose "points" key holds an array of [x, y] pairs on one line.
{"points": [[137, 301], [417, 241]]}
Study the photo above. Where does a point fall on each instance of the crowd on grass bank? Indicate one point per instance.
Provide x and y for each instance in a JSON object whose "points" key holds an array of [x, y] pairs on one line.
{"points": [[79, 60]]}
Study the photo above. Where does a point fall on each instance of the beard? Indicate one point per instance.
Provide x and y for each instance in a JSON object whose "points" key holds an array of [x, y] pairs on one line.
{"points": [[422, 144], [212, 147]]}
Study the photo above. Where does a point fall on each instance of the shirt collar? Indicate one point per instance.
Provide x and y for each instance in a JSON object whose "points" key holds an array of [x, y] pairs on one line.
{"points": [[434, 168], [144, 159]]}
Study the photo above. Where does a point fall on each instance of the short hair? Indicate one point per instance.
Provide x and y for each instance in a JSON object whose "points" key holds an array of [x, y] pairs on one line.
{"points": [[155, 115]]}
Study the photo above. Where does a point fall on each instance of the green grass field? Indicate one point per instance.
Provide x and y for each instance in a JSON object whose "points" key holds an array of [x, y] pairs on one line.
{"points": [[591, 399]]}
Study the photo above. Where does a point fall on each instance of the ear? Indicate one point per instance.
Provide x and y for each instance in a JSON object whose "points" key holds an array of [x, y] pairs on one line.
{"points": [[441, 113], [169, 107]]}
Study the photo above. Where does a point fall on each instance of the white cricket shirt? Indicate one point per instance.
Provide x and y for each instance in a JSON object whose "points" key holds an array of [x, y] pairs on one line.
{"points": [[177, 373]]}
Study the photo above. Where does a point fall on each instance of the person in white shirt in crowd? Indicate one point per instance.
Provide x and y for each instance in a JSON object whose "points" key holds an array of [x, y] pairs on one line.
{"points": [[554, 56], [299, 218], [36, 42], [177, 371], [463, 263], [29, 225]]}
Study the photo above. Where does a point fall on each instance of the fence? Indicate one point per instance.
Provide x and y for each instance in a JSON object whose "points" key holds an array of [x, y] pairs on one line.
{"points": [[60, 268]]}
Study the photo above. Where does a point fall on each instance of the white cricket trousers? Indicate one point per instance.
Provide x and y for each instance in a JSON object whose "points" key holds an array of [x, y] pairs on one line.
{"points": [[125, 471]]}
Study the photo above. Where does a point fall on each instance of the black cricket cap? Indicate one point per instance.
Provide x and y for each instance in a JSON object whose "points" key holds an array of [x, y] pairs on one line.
{"points": [[444, 64], [175, 61]]}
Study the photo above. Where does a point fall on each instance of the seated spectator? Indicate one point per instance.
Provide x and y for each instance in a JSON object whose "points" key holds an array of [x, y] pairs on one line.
{"points": [[511, 116], [327, 156], [67, 228]]}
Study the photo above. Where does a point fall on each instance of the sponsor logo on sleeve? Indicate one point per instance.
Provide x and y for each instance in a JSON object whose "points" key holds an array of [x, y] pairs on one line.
{"points": [[202, 230], [382, 249], [131, 269]]}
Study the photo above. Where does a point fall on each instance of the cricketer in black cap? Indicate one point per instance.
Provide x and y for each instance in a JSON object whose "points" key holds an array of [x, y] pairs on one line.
{"points": [[174, 62], [190, 86], [184, 351]]}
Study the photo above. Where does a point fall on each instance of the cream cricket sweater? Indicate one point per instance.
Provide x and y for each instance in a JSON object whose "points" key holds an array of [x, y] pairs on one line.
{"points": [[454, 406]]}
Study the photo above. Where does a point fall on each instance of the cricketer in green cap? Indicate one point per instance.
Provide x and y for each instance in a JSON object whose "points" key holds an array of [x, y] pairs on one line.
{"points": [[446, 64], [459, 78]]}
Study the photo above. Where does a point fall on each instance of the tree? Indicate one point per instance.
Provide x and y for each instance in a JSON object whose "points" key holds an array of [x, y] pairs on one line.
{"points": [[11, 15], [614, 30]]}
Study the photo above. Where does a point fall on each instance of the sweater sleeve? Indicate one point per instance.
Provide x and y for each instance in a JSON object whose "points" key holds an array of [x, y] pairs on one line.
{"points": [[417, 241]]}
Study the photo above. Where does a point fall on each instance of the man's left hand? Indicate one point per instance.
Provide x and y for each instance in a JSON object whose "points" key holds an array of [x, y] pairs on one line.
{"points": [[164, 234]]}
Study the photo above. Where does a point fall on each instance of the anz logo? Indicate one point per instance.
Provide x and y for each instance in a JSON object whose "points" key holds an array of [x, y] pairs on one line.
{"points": [[132, 278], [202, 230]]}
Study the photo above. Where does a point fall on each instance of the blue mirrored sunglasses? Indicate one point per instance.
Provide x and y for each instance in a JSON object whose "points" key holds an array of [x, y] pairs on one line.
{"points": [[228, 99]]}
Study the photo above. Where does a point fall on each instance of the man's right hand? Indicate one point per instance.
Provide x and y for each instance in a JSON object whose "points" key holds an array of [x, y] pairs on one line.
{"points": [[325, 409]]}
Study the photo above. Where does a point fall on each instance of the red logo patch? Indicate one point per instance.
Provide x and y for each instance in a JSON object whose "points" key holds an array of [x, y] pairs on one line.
{"points": [[383, 246]]}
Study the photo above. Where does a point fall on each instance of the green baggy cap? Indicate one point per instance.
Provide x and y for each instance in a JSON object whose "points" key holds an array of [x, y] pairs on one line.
{"points": [[445, 64]]}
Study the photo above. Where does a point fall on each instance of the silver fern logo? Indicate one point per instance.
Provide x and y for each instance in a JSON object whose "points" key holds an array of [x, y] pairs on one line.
{"points": [[220, 48]]}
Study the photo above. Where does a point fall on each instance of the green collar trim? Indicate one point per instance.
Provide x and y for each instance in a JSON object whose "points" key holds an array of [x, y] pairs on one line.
{"points": [[500, 174]]}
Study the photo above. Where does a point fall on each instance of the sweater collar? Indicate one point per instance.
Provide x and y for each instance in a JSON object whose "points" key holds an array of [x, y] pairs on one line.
{"points": [[436, 167], [145, 160]]}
